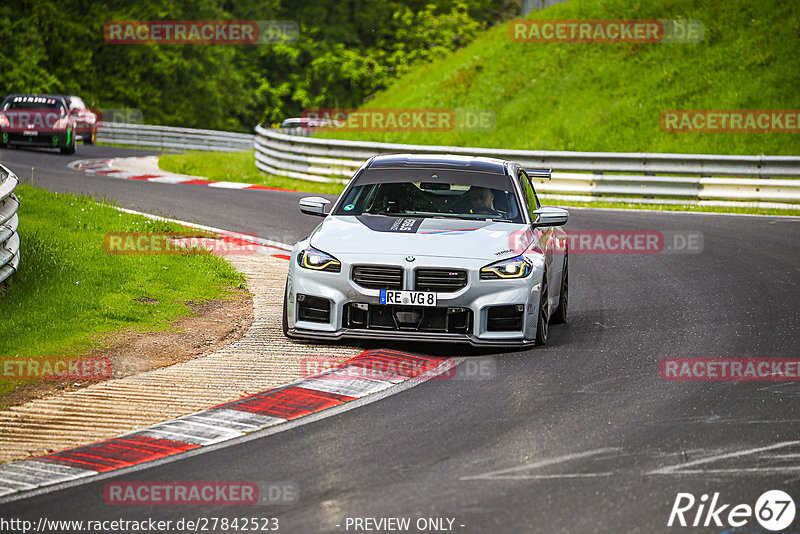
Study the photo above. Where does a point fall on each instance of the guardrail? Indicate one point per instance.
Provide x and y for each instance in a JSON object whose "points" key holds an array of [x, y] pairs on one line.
{"points": [[9, 222], [173, 138], [763, 181]]}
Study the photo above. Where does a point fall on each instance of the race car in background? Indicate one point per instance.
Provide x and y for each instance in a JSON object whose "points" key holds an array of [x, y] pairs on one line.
{"points": [[305, 126], [431, 248], [85, 119], [39, 121]]}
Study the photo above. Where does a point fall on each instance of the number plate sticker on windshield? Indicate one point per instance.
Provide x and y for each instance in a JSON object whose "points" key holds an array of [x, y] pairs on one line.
{"points": [[408, 298]]}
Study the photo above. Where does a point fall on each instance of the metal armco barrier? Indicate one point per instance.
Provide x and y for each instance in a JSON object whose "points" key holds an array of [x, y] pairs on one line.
{"points": [[756, 180], [173, 138], [9, 222]]}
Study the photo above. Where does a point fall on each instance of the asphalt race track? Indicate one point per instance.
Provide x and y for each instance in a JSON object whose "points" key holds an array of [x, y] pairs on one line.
{"points": [[243, 211], [582, 435]]}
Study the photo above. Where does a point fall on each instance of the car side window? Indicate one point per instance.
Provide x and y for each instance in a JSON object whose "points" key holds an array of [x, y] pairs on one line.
{"points": [[530, 193], [533, 192], [521, 179]]}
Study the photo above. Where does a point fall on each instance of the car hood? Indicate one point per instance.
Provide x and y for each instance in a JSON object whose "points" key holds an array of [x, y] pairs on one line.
{"points": [[448, 238]]}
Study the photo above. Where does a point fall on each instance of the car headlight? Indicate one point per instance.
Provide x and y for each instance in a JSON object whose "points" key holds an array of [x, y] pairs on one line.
{"points": [[317, 260], [4, 122], [518, 267]]}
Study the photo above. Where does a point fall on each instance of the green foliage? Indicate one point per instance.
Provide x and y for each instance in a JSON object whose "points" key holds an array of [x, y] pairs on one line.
{"points": [[609, 97], [346, 51]]}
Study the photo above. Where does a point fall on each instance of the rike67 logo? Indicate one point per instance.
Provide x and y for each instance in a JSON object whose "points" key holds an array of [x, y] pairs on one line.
{"points": [[774, 510]]}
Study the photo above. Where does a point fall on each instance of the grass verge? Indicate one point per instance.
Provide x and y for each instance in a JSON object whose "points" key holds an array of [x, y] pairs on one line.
{"points": [[608, 97], [237, 167], [69, 293]]}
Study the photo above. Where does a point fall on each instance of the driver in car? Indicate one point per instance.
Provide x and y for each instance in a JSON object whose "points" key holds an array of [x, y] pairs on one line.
{"points": [[477, 200]]}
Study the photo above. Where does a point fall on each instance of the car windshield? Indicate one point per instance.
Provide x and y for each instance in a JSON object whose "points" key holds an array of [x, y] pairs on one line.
{"points": [[428, 199], [32, 102]]}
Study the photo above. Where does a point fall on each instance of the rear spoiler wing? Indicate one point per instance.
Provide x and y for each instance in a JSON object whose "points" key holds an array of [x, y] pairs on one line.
{"points": [[540, 174]]}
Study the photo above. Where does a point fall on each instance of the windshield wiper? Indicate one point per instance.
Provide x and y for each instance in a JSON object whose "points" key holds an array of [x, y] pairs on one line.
{"points": [[454, 216]]}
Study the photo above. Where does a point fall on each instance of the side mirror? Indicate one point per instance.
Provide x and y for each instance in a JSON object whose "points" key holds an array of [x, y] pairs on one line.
{"points": [[314, 206], [549, 216]]}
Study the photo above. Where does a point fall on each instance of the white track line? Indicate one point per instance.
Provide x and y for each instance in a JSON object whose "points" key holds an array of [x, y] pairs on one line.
{"points": [[505, 474], [285, 247], [681, 468]]}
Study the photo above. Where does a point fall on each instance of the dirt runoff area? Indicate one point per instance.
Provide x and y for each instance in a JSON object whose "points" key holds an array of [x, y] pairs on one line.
{"points": [[213, 324]]}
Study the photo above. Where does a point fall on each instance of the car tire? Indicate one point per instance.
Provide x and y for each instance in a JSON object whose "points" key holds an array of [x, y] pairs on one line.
{"points": [[560, 315], [91, 138], [543, 317], [70, 148]]}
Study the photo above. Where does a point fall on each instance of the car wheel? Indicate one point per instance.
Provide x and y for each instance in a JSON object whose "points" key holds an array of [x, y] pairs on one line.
{"points": [[560, 315], [70, 148], [543, 321], [91, 138]]}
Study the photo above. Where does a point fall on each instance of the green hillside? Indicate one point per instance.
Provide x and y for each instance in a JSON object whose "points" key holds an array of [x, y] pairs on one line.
{"points": [[609, 97]]}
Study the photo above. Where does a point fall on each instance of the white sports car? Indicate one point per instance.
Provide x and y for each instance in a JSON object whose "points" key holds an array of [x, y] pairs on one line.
{"points": [[431, 248]]}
